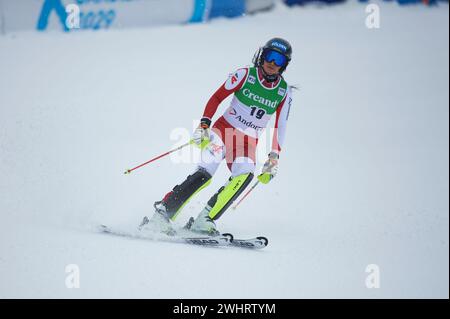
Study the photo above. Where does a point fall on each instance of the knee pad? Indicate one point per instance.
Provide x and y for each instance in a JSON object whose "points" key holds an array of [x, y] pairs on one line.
{"points": [[227, 194], [181, 194]]}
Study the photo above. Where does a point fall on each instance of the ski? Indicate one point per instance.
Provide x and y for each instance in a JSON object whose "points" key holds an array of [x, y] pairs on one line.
{"points": [[222, 240], [253, 243], [216, 241]]}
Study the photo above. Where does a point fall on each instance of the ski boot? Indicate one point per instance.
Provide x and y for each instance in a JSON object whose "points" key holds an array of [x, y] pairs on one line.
{"points": [[203, 224], [160, 220]]}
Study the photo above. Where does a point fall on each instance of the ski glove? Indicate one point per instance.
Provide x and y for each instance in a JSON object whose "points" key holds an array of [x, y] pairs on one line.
{"points": [[200, 138], [270, 168]]}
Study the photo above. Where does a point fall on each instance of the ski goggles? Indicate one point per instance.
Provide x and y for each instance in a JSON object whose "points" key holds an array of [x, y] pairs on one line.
{"points": [[278, 58]]}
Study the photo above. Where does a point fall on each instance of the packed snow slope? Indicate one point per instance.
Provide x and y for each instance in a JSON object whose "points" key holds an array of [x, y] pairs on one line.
{"points": [[363, 175]]}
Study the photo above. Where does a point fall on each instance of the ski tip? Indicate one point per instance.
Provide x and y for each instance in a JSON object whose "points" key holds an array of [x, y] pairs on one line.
{"points": [[127, 172], [102, 228]]}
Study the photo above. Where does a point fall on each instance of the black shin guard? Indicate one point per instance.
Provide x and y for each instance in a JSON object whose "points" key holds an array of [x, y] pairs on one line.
{"points": [[181, 194]]}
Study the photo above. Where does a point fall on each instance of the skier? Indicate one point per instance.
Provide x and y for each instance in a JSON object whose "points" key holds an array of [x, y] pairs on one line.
{"points": [[259, 92]]}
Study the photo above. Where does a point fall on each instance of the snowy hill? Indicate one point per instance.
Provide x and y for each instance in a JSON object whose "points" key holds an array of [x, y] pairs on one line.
{"points": [[363, 177]]}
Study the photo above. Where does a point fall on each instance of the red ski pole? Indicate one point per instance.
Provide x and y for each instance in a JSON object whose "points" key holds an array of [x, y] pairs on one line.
{"points": [[128, 171], [246, 194]]}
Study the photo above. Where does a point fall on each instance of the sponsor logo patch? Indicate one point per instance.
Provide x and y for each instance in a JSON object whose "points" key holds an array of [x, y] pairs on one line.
{"points": [[280, 45], [216, 149], [281, 91], [248, 123], [234, 78], [251, 79], [247, 93]]}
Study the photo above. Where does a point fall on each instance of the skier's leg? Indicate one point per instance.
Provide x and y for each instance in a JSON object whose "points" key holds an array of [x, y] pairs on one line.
{"points": [[242, 171], [240, 155], [241, 175], [180, 195], [212, 155], [210, 159], [168, 208], [173, 202]]}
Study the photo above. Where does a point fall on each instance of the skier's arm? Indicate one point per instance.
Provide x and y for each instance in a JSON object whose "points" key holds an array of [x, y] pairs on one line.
{"points": [[233, 83], [282, 116], [270, 167]]}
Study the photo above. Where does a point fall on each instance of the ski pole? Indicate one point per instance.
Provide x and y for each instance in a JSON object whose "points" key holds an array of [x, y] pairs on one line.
{"points": [[128, 171], [246, 194]]}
